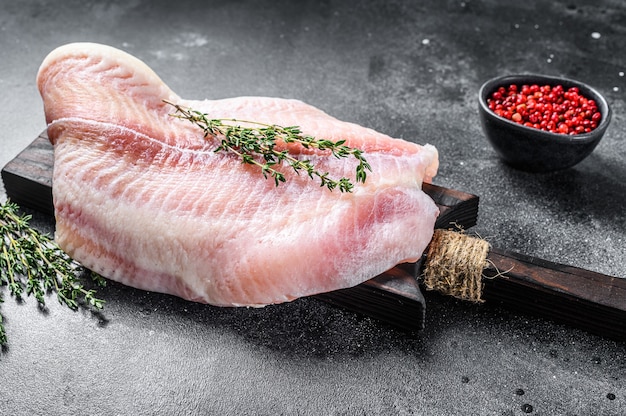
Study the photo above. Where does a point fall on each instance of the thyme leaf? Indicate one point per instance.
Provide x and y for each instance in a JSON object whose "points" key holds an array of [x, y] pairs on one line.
{"points": [[256, 145], [32, 263]]}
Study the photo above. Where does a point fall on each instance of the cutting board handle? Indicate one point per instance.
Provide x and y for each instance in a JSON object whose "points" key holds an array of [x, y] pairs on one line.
{"points": [[580, 298]]}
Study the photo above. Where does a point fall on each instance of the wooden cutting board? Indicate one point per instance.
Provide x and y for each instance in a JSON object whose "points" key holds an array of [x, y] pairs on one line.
{"points": [[393, 297], [577, 297]]}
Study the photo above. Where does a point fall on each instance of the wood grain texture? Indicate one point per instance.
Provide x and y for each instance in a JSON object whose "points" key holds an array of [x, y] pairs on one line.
{"points": [[577, 297], [28, 177]]}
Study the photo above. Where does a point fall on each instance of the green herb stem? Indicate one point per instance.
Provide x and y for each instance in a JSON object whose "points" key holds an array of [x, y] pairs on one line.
{"points": [[32, 261], [257, 146]]}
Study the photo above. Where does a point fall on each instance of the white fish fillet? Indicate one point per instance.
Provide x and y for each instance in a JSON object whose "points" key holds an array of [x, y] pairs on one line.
{"points": [[141, 198]]}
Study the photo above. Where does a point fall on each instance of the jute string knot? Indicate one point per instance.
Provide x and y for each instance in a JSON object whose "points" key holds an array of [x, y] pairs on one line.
{"points": [[454, 265]]}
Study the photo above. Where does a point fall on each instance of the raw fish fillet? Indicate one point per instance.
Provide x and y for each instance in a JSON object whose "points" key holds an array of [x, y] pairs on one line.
{"points": [[141, 197]]}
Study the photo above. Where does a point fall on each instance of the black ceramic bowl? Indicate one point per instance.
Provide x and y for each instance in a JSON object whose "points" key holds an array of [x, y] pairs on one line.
{"points": [[531, 149]]}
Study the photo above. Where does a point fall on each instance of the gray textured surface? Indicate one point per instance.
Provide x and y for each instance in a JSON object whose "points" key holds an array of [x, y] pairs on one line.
{"points": [[410, 69]]}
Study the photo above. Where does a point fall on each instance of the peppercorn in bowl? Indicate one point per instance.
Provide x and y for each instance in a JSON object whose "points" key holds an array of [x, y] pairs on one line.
{"points": [[540, 123]]}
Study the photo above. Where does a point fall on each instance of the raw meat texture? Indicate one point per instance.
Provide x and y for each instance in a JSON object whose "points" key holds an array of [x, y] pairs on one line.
{"points": [[141, 198]]}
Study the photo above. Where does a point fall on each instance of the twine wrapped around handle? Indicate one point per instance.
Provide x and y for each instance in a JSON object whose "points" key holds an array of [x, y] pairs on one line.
{"points": [[454, 265]]}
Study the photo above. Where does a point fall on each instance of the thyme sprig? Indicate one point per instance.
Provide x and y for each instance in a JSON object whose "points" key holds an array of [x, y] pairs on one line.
{"points": [[258, 142], [32, 263]]}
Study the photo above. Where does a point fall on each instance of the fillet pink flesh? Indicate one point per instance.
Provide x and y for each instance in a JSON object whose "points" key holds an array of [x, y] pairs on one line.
{"points": [[141, 197]]}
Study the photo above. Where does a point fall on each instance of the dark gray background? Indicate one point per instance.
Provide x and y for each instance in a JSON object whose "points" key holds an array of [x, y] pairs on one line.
{"points": [[409, 69]]}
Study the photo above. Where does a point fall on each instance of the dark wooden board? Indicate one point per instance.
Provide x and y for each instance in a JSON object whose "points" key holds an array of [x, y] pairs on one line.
{"points": [[28, 177], [393, 297], [580, 298]]}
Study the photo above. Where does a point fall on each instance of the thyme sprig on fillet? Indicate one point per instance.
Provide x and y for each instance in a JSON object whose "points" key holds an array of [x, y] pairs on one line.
{"points": [[32, 263], [256, 145]]}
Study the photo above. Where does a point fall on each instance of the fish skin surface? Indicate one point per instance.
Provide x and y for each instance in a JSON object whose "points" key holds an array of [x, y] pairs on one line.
{"points": [[142, 198]]}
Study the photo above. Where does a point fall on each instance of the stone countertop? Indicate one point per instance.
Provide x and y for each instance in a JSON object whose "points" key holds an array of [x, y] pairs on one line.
{"points": [[409, 69]]}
